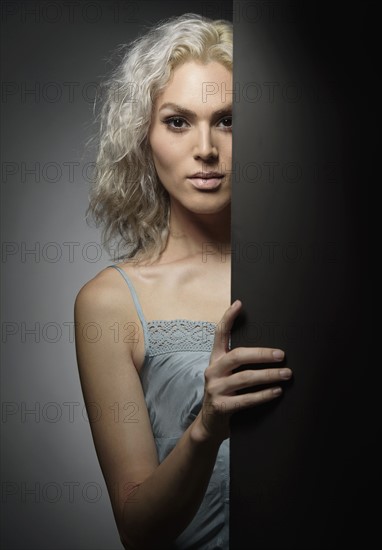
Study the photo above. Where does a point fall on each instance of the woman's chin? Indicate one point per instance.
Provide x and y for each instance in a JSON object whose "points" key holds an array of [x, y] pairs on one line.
{"points": [[209, 209]]}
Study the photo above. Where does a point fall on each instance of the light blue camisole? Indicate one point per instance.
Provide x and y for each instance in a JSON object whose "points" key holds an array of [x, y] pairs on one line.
{"points": [[177, 352]]}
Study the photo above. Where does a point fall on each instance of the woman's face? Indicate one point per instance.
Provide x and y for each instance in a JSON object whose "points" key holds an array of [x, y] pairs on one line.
{"points": [[191, 133]]}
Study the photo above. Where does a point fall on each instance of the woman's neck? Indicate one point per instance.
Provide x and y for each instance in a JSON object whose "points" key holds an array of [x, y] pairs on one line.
{"points": [[193, 234]]}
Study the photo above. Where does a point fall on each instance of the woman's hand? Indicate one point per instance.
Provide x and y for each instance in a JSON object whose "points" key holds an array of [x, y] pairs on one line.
{"points": [[220, 400]]}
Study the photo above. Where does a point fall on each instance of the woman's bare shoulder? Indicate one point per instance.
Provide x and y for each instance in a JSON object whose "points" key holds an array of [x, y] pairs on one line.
{"points": [[106, 291], [106, 301]]}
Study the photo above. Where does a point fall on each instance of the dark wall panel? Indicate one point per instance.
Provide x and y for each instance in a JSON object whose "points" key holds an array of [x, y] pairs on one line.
{"points": [[304, 468]]}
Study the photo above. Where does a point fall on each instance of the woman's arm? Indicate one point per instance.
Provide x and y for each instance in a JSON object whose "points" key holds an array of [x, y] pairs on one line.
{"points": [[153, 503]]}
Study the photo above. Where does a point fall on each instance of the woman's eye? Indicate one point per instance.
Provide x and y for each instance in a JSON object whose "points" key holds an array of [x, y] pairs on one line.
{"points": [[178, 123], [175, 122], [227, 122]]}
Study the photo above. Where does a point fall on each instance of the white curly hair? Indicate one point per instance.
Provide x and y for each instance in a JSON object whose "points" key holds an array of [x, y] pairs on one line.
{"points": [[127, 197]]}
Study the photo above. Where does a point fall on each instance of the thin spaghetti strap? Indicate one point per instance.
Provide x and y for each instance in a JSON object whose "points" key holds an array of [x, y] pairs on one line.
{"points": [[136, 302]]}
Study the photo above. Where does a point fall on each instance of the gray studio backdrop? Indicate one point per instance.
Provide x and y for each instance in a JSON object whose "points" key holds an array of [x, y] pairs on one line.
{"points": [[54, 55]]}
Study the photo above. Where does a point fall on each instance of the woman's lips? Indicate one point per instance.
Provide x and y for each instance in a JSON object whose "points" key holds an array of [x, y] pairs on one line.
{"points": [[207, 183]]}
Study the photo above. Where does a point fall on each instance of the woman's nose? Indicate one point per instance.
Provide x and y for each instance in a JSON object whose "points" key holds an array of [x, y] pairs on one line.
{"points": [[204, 147]]}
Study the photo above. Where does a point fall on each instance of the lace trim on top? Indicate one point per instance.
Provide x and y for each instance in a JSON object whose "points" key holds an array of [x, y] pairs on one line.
{"points": [[179, 335]]}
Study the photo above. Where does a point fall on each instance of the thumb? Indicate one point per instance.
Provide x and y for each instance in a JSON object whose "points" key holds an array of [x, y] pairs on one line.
{"points": [[223, 330]]}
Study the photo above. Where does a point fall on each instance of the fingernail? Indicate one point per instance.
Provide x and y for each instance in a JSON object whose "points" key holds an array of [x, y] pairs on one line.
{"points": [[278, 354], [285, 373], [236, 302], [276, 391]]}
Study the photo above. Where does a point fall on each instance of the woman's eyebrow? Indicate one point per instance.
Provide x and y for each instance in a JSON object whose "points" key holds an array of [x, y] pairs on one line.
{"points": [[186, 112]]}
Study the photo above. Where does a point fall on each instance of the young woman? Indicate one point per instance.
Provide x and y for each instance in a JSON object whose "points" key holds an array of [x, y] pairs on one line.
{"points": [[156, 372]]}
